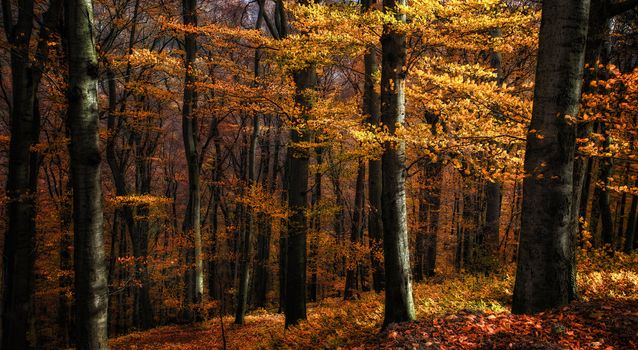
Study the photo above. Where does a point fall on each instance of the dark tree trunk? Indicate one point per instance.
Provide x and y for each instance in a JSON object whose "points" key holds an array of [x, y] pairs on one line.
{"points": [[433, 195], [356, 233], [469, 226], [194, 278], [244, 277], [399, 304], [24, 164], [215, 265], [630, 233], [91, 299], [372, 110], [143, 315], [262, 276], [316, 223], [493, 189], [298, 160], [458, 231], [545, 261]]}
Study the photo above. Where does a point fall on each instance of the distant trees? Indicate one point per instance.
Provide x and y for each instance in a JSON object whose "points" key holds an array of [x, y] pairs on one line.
{"points": [[545, 261], [27, 67]]}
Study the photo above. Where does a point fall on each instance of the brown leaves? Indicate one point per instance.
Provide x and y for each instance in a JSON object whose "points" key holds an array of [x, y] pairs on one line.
{"points": [[601, 324]]}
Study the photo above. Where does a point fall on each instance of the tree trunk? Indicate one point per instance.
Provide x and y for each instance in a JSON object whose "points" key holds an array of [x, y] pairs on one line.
{"points": [[194, 278], [399, 304], [262, 276], [433, 197], [356, 233], [244, 278], [215, 265], [298, 159], [630, 233], [371, 108], [91, 287], [545, 261], [316, 222], [607, 233]]}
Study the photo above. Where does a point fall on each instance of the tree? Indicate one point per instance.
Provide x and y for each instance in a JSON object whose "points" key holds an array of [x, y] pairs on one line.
{"points": [[90, 270], [194, 278], [399, 304], [545, 263], [371, 108]]}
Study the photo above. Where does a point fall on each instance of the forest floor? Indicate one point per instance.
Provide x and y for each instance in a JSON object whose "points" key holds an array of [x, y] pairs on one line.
{"points": [[454, 312]]}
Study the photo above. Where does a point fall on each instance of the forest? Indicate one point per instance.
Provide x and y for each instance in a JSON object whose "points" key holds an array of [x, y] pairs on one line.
{"points": [[308, 174]]}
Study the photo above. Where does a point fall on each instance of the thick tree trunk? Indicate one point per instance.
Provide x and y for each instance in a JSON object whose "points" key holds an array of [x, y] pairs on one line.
{"points": [[545, 261], [194, 278], [399, 304], [298, 160], [91, 288]]}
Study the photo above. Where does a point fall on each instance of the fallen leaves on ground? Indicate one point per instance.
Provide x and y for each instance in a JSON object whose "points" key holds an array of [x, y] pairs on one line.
{"points": [[599, 324]]}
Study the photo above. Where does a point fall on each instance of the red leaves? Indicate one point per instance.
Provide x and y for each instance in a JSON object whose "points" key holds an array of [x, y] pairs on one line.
{"points": [[602, 324]]}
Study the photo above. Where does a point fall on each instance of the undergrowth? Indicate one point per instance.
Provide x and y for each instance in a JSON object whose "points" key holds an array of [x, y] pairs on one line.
{"points": [[334, 323]]}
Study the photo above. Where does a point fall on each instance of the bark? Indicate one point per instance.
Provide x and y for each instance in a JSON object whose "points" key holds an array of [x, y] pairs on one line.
{"points": [[316, 223], [298, 160], [399, 303], [244, 278], [297, 187], [493, 195], [143, 314], [215, 266], [194, 278], [262, 276], [433, 197], [372, 110], [469, 226], [545, 260], [91, 288], [620, 221], [630, 233], [356, 233]]}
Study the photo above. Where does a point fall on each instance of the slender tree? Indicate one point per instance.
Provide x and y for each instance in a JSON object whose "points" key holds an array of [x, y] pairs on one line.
{"points": [[371, 108], [194, 277], [90, 270], [399, 304], [545, 263]]}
